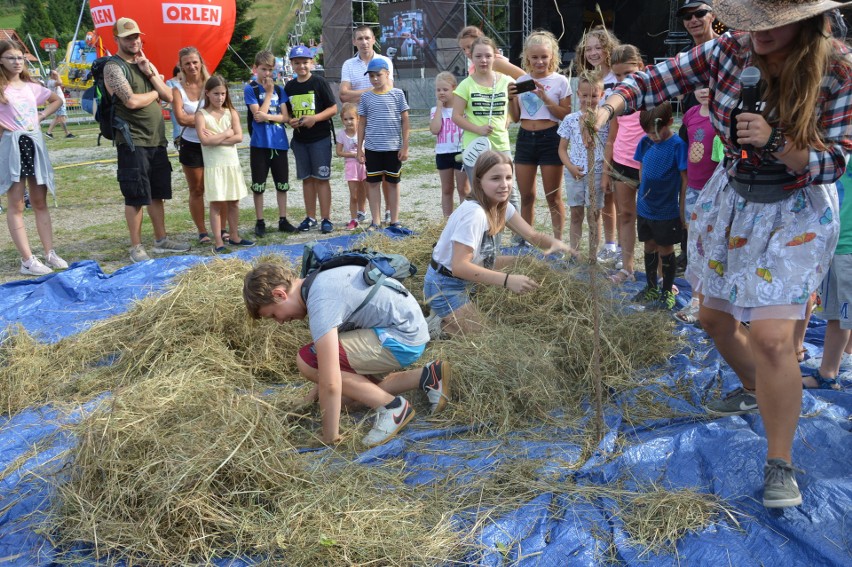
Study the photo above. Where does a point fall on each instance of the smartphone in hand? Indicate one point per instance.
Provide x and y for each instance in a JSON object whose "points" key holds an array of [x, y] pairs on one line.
{"points": [[525, 86]]}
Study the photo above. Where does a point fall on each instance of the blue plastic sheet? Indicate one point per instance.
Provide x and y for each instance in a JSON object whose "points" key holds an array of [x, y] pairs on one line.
{"points": [[720, 456]]}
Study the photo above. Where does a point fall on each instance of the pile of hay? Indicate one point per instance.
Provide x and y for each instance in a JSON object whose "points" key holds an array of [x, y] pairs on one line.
{"points": [[193, 457]]}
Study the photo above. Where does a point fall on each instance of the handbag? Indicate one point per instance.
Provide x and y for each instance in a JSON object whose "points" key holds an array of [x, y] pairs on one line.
{"points": [[179, 139], [479, 144]]}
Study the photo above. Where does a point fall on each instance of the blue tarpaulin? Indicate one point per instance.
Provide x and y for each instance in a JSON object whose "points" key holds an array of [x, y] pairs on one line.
{"points": [[722, 456]]}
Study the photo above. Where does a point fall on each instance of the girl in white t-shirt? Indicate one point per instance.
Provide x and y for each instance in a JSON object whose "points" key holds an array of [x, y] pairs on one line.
{"points": [[23, 157], [447, 143], [540, 112], [467, 250]]}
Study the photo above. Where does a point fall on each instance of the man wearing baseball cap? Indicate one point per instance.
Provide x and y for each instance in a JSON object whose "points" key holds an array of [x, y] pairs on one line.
{"points": [[312, 107], [144, 171]]}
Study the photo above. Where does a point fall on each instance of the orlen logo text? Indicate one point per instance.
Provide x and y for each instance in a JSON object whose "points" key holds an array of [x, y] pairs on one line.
{"points": [[192, 14], [103, 16]]}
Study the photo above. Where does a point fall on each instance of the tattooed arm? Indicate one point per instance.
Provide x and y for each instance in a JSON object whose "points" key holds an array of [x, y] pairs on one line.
{"points": [[117, 84]]}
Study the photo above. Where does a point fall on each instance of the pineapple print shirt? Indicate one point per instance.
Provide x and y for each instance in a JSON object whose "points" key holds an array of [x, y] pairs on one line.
{"points": [[700, 137]]}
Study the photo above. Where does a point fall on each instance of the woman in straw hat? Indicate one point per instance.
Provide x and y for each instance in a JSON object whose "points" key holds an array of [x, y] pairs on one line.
{"points": [[766, 222]]}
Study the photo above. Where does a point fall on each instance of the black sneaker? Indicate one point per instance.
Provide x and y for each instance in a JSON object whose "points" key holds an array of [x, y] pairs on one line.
{"points": [[70, 135], [260, 228], [48, 135], [307, 224], [326, 226], [285, 226]]}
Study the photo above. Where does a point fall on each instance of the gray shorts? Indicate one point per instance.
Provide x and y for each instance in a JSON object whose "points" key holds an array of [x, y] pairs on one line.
{"points": [[577, 191], [835, 292], [312, 159]]}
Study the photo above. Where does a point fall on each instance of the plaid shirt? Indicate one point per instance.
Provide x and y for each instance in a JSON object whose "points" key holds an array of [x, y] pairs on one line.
{"points": [[718, 64]]}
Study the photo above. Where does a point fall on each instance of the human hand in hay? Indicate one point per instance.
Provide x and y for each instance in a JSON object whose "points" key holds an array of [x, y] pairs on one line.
{"points": [[362, 336], [466, 252]]}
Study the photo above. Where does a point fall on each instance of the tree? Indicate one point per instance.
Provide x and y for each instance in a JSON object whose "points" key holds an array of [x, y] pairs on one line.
{"points": [[36, 23], [63, 15], [232, 67]]}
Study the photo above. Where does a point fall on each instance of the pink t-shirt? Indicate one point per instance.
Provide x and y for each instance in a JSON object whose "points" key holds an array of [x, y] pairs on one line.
{"points": [[699, 162], [629, 134], [21, 109]]}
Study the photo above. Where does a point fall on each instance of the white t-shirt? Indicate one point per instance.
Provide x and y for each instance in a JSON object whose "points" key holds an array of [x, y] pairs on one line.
{"points": [[448, 140], [354, 71], [468, 225], [571, 130], [555, 85]]}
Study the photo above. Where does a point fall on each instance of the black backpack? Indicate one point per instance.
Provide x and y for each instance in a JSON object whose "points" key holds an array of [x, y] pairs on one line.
{"points": [[256, 88], [104, 107], [378, 267]]}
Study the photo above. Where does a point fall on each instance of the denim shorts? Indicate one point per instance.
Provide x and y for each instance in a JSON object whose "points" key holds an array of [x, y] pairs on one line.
{"points": [[689, 202], [445, 294], [538, 147], [312, 159]]}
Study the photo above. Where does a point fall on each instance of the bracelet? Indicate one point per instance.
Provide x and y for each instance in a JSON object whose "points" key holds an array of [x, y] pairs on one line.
{"points": [[776, 141], [506, 281], [610, 109]]}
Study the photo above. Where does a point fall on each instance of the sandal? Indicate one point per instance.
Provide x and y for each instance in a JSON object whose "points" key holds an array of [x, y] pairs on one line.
{"points": [[688, 314], [821, 383], [204, 238], [622, 276], [225, 235], [801, 355]]}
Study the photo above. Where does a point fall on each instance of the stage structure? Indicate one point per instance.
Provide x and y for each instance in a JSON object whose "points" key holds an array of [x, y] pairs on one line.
{"points": [[418, 35]]}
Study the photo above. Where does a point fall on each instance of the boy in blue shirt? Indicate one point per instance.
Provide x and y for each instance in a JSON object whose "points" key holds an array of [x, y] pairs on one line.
{"points": [[659, 206], [268, 145]]}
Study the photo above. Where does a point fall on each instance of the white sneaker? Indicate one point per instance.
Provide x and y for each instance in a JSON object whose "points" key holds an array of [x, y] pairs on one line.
{"points": [[389, 422], [361, 216], [619, 261], [34, 267], [845, 363], [387, 217], [437, 384], [607, 254], [55, 262]]}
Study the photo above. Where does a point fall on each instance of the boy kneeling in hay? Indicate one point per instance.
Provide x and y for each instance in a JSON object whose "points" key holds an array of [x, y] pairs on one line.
{"points": [[356, 346]]}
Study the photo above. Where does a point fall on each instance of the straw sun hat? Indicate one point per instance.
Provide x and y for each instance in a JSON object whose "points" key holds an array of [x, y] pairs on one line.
{"points": [[760, 15]]}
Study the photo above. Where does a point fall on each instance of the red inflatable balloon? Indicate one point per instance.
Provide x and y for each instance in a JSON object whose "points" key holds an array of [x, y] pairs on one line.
{"points": [[169, 26]]}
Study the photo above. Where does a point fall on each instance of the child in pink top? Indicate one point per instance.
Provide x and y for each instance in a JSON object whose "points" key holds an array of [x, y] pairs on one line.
{"points": [[624, 136], [354, 172], [23, 156], [700, 165]]}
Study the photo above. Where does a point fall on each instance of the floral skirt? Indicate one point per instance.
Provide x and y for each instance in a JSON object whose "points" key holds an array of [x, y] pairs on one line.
{"points": [[760, 260]]}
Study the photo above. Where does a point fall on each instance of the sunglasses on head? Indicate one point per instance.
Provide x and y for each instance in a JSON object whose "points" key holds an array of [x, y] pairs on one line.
{"points": [[696, 14]]}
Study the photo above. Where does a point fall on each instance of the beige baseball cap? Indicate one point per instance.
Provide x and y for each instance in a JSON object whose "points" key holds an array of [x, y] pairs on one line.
{"points": [[125, 27]]}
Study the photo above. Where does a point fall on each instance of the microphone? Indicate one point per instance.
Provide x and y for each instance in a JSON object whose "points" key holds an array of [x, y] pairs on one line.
{"points": [[749, 78]]}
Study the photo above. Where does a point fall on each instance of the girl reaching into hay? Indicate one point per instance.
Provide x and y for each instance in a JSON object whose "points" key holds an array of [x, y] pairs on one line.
{"points": [[466, 252]]}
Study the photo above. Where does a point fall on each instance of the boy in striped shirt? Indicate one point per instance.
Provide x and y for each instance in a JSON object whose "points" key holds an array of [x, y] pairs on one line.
{"points": [[384, 127]]}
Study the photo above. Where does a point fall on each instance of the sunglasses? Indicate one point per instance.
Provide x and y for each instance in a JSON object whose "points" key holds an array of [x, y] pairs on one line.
{"points": [[696, 14]]}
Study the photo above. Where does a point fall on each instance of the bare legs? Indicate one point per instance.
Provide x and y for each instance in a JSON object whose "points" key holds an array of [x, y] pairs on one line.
{"points": [[625, 196], [763, 359], [15, 217], [551, 178]]}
